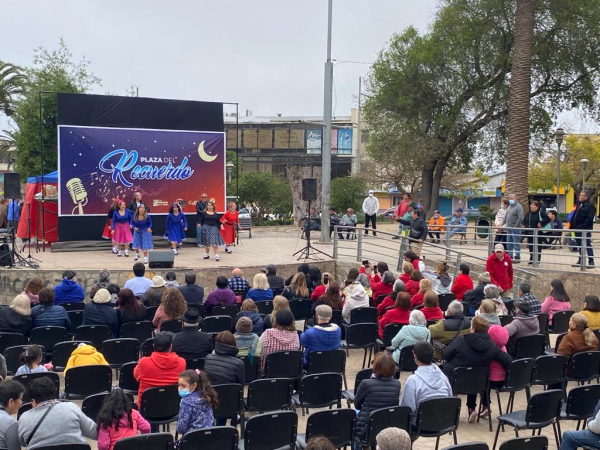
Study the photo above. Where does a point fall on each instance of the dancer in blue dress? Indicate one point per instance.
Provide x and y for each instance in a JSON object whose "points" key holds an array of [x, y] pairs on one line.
{"points": [[142, 232], [175, 227], [121, 228]]}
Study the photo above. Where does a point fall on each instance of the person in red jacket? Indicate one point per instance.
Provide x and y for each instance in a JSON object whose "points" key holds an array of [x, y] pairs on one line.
{"points": [[499, 266], [407, 270], [424, 285], [431, 307], [400, 313], [412, 287], [384, 287], [161, 368], [389, 301], [463, 282]]}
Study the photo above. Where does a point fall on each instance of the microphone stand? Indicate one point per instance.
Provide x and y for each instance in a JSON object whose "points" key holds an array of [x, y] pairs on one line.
{"points": [[29, 257], [15, 258], [309, 252]]}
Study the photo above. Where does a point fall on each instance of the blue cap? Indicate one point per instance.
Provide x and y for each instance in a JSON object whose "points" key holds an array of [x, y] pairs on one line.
{"points": [[459, 210]]}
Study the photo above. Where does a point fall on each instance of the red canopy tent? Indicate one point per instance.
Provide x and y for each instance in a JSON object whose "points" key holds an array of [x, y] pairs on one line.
{"points": [[34, 208]]}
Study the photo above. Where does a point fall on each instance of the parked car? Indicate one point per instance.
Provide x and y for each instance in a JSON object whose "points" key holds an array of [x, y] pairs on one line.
{"points": [[244, 214]]}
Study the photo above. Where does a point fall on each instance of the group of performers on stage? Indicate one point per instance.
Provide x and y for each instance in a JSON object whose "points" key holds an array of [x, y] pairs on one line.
{"points": [[212, 229]]}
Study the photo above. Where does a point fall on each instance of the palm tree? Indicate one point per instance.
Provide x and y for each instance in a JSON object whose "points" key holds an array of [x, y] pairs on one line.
{"points": [[12, 80], [7, 148], [517, 164]]}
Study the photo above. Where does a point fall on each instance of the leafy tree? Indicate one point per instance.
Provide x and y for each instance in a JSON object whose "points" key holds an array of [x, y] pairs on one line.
{"points": [[52, 71], [347, 192], [12, 80], [236, 172], [266, 193]]}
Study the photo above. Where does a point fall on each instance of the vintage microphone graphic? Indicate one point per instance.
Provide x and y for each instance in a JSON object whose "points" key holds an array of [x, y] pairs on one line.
{"points": [[78, 194]]}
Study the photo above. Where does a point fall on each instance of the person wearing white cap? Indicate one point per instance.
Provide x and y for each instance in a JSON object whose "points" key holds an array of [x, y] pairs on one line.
{"points": [[370, 207]]}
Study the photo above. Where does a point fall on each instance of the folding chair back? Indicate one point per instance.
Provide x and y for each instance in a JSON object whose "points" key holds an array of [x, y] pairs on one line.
{"points": [[582, 401], [136, 330], [226, 310], [11, 340], [62, 352], [174, 326], [438, 416], [585, 366], [445, 300], [27, 378], [470, 380], [337, 425], [406, 361], [96, 334], [549, 369], [121, 351], [270, 394], [152, 441], [380, 419], [271, 431], [363, 315], [48, 336], [286, 364], [526, 443], [77, 306], [216, 324], [519, 374], [160, 405], [213, 438], [76, 319], [544, 407], [321, 390], [83, 381], [127, 381], [560, 321], [265, 307], [389, 332], [150, 313], [530, 346], [301, 308], [328, 361]]}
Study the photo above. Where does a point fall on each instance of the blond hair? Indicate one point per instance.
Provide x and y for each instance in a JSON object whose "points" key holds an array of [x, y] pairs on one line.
{"points": [[425, 285], [260, 281], [248, 305], [298, 285], [21, 304], [487, 307], [581, 323], [407, 267], [280, 303]]}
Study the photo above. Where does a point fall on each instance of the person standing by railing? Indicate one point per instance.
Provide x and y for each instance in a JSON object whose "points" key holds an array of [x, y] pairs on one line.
{"points": [[499, 220], [370, 207], [583, 219], [535, 218], [418, 231], [513, 219]]}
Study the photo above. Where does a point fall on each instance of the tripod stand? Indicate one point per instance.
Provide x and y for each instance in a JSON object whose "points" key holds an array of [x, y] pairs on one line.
{"points": [[308, 252], [37, 248], [15, 258]]}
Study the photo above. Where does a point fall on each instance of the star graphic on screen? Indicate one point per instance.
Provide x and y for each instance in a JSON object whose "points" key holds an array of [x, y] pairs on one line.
{"points": [[74, 165], [155, 141], [80, 153], [82, 137], [194, 143], [113, 145]]}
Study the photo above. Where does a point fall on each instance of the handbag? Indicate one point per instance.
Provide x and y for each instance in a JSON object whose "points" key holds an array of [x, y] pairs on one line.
{"points": [[548, 226], [438, 346]]}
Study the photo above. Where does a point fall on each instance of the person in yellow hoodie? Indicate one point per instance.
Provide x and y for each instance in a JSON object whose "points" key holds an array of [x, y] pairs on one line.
{"points": [[85, 355]]}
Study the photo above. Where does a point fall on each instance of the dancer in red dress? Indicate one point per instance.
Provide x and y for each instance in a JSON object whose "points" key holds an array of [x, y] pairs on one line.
{"points": [[229, 220]]}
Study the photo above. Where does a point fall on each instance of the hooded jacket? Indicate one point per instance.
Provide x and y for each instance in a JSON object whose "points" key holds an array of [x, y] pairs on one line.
{"points": [[373, 394], [522, 326], [218, 297], [223, 366], [50, 316], [158, 369], [476, 349], [442, 284], [461, 285], [13, 322], [254, 316], [194, 413], [426, 383], [358, 299], [499, 336], [68, 292], [394, 315], [501, 271], [320, 338], [501, 309], [409, 335], [86, 355], [475, 295], [102, 314]]}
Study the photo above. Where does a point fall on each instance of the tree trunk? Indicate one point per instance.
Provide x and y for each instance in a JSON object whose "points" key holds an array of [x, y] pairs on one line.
{"points": [[435, 190], [295, 175], [517, 160], [426, 187]]}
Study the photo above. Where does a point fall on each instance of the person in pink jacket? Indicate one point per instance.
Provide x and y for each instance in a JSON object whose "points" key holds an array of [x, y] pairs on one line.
{"points": [[557, 301], [118, 420], [499, 336]]}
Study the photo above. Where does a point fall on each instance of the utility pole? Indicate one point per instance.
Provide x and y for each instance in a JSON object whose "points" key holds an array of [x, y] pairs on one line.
{"points": [[326, 151], [357, 156]]}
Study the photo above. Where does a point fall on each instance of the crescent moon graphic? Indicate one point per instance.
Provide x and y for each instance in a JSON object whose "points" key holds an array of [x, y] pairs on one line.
{"points": [[203, 155]]}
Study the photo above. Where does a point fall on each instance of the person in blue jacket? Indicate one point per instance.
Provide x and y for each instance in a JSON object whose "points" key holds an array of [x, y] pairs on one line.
{"points": [[175, 227], [458, 223], [47, 314], [142, 232], [100, 312], [324, 336], [68, 291]]}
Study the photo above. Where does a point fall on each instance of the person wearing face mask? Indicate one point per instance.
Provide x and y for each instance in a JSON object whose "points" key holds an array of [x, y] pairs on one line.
{"points": [[370, 207], [513, 219], [436, 226], [535, 218], [499, 220], [198, 401]]}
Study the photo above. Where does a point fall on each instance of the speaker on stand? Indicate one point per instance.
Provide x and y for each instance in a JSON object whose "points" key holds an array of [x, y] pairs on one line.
{"points": [[309, 193]]}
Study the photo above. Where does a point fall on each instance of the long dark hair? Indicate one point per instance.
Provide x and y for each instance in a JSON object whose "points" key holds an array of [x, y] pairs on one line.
{"points": [[126, 301], [115, 406], [331, 297], [314, 274], [558, 291], [32, 354]]}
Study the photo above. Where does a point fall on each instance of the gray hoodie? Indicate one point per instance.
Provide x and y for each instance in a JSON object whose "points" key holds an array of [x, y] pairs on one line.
{"points": [[426, 383], [523, 326], [514, 216]]}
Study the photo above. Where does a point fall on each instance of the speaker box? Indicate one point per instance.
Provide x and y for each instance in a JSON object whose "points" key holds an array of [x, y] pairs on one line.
{"points": [[12, 185], [6, 257], [161, 260], [309, 189]]}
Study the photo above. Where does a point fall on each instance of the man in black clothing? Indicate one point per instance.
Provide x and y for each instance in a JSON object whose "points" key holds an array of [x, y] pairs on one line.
{"points": [[191, 343], [418, 230], [136, 202], [583, 219], [200, 208], [275, 282], [193, 294], [333, 220]]}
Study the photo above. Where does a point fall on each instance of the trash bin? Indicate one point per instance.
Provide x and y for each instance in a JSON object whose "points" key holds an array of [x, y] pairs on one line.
{"points": [[482, 227]]}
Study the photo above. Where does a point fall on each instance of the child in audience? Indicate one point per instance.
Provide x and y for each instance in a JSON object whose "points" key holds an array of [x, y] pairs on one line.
{"points": [[118, 420], [31, 359], [199, 400]]}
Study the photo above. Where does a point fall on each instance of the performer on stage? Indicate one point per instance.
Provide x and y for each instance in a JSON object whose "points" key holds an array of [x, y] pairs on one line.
{"points": [[210, 230], [107, 233], [175, 227], [142, 233], [137, 201], [229, 220], [121, 228], [200, 208]]}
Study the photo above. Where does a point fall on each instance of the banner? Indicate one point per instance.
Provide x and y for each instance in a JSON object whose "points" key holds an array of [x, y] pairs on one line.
{"points": [[98, 164], [313, 142], [344, 142]]}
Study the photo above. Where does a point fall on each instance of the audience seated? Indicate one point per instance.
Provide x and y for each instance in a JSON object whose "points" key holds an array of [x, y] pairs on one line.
{"points": [[260, 290], [375, 272], [11, 399], [358, 299], [476, 295], [33, 288], [31, 359], [190, 343], [68, 291], [415, 260], [171, 279], [557, 301], [247, 342], [319, 290], [302, 268], [579, 339], [441, 280], [85, 355], [523, 324], [100, 312], [431, 308], [297, 290], [463, 282], [591, 310], [172, 307], [223, 366], [427, 382], [415, 331], [379, 391], [331, 297], [281, 337], [250, 310], [117, 419], [64, 423], [393, 439], [129, 308], [475, 349], [400, 313], [220, 296], [454, 323], [535, 307], [412, 287], [424, 285], [385, 286], [324, 336], [350, 281], [487, 310], [102, 283], [572, 440], [237, 283], [17, 317], [492, 293], [279, 303], [47, 314], [198, 400], [192, 293], [161, 368], [275, 282], [314, 278], [499, 336], [407, 270], [363, 279], [139, 284], [388, 302], [155, 292]]}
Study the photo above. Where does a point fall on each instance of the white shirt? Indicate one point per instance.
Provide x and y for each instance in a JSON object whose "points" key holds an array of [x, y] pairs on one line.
{"points": [[370, 205]]}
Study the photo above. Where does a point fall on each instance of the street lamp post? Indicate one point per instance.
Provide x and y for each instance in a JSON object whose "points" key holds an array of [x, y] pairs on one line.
{"points": [[559, 135], [584, 162], [230, 167]]}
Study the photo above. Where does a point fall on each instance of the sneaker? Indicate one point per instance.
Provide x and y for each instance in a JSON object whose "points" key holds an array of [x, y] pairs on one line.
{"points": [[119, 254], [485, 413], [114, 250], [227, 250], [175, 252], [206, 256], [127, 253], [145, 260], [137, 256], [217, 258], [472, 415]]}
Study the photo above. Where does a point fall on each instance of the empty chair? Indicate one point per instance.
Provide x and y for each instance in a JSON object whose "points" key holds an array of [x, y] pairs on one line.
{"points": [[530, 346], [136, 330], [265, 307], [251, 370], [329, 361], [581, 403], [380, 419], [469, 446], [148, 347], [77, 306], [120, 351], [11, 340], [560, 321], [518, 376], [361, 375], [76, 318], [27, 378], [437, 417], [226, 310], [361, 335], [48, 336], [96, 334], [173, 325], [445, 300], [213, 438], [363, 315], [91, 405], [549, 370], [543, 409], [153, 441], [231, 402], [62, 352], [271, 431], [127, 381], [406, 360], [543, 320], [12, 356], [269, 394], [526, 443], [150, 312], [337, 425], [216, 324], [319, 391], [83, 381], [286, 364], [195, 364], [474, 381], [301, 309], [160, 405], [584, 367]]}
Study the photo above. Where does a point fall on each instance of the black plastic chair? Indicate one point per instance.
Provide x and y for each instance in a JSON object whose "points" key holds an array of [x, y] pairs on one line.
{"points": [[216, 324], [361, 335], [200, 308], [251, 370], [62, 352], [12, 356], [389, 332], [544, 322], [23, 409], [127, 381], [148, 347], [337, 425], [332, 361], [27, 378], [160, 405], [559, 339], [76, 318], [231, 403], [11, 340], [75, 306], [472, 381], [150, 313], [363, 315], [445, 300], [83, 381], [584, 367], [505, 320], [120, 351], [301, 309], [265, 307], [173, 325], [136, 330], [380, 419], [195, 364], [549, 370], [213, 438], [269, 394], [530, 346], [580, 404], [406, 360], [469, 446], [96, 334], [48, 337], [437, 417], [518, 376], [152, 441], [319, 391], [91, 405], [226, 310], [560, 322], [271, 431], [526, 443], [543, 409], [285, 364], [361, 375], [65, 447]]}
